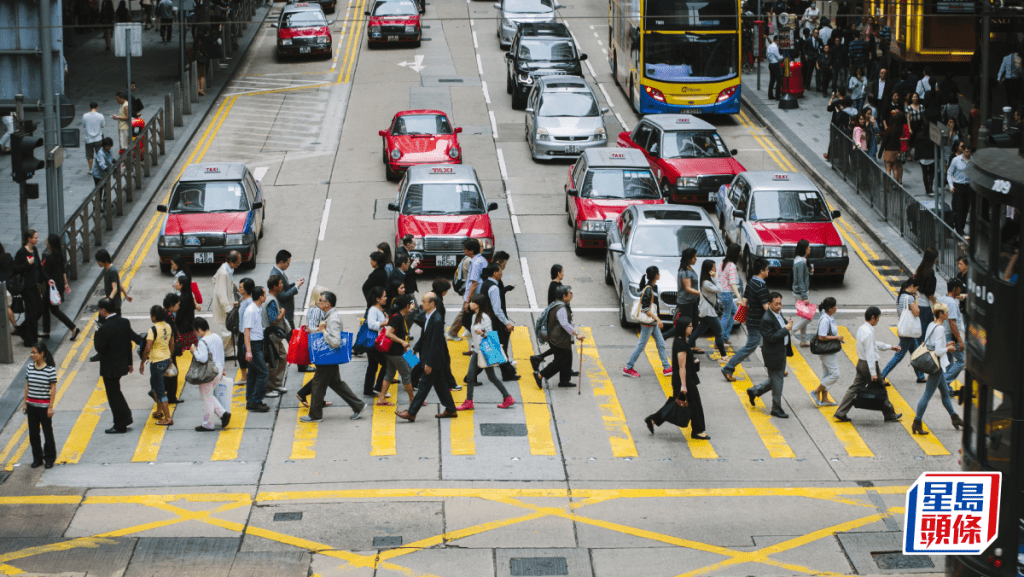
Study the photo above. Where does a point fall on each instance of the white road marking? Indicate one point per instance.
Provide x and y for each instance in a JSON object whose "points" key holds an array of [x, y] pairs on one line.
{"points": [[471, 22], [487, 97], [595, 35], [416, 64], [591, 69], [605, 51], [494, 124], [479, 65], [501, 165], [574, 39], [515, 225], [607, 98], [475, 45], [622, 122], [531, 296], [312, 281], [323, 219], [260, 172], [591, 27], [599, 43]]}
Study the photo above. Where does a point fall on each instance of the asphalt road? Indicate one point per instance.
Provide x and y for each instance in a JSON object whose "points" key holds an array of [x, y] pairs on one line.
{"points": [[583, 483]]}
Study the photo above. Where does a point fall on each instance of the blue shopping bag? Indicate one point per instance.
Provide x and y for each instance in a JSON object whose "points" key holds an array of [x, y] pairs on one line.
{"points": [[411, 358], [321, 354], [490, 346], [364, 338]]}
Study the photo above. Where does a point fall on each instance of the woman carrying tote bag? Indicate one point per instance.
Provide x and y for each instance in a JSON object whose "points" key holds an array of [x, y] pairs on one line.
{"points": [[483, 323], [649, 321], [909, 327], [210, 346], [935, 341]]}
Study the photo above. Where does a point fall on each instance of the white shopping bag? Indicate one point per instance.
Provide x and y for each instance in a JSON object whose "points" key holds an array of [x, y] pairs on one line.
{"points": [[54, 294], [222, 392]]}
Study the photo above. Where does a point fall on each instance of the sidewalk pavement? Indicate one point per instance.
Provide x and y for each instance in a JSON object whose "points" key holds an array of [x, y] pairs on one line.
{"points": [[95, 75], [804, 132]]}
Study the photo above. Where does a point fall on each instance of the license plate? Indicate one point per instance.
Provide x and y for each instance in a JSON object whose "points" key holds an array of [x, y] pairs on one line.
{"points": [[304, 50], [572, 149], [446, 260], [203, 258], [392, 38], [689, 111], [712, 197]]}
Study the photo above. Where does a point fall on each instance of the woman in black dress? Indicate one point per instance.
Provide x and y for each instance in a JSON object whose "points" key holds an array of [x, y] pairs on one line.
{"points": [[684, 384], [53, 268], [28, 266]]}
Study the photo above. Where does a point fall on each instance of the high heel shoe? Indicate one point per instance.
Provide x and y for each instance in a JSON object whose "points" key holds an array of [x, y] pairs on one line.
{"points": [[957, 421], [918, 428]]}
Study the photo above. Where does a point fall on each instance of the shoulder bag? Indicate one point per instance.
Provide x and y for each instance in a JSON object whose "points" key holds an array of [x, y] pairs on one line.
{"points": [[383, 343], [924, 358], [908, 326], [201, 373], [718, 305], [639, 316], [829, 347]]}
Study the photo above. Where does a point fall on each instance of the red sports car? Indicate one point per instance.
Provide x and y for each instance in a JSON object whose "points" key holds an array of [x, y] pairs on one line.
{"points": [[419, 137]]}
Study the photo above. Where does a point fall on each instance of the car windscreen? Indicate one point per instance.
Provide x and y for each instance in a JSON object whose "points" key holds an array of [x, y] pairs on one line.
{"points": [[528, 6], [788, 206], [395, 8], [217, 196], [421, 124], [571, 104], [694, 145], [554, 50], [616, 183], [667, 241], [443, 198], [304, 19]]}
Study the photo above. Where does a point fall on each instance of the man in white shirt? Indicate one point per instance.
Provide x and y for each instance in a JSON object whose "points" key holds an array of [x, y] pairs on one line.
{"points": [[925, 83], [1010, 76], [94, 123], [774, 69], [251, 324], [867, 368], [825, 31]]}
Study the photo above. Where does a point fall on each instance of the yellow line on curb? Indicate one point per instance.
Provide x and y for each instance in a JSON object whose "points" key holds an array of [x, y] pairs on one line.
{"points": [[85, 426], [535, 402], [304, 442], [604, 391], [845, 432], [461, 431], [152, 436], [228, 440], [699, 449]]}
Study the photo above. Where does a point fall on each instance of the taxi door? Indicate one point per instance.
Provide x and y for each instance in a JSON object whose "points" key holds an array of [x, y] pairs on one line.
{"points": [[572, 202], [624, 227], [738, 199], [255, 192]]}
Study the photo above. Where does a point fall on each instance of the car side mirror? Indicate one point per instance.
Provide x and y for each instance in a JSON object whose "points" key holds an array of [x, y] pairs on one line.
{"points": [[615, 247], [161, 208], [393, 206], [367, 12], [492, 206], [508, 56], [836, 214], [733, 151], [257, 205], [458, 130], [654, 151], [273, 24], [382, 132], [330, 22], [571, 191], [557, 6], [605, 110], [583, 57], [497, 5], [529, 109], [737, 213]]}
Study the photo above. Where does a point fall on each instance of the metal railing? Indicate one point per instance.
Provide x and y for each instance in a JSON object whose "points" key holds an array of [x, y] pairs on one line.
{"points": [[916, 220], [85, 227]]}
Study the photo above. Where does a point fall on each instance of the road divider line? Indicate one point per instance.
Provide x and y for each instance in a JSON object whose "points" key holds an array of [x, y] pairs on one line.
{"points": [[501, 164], [699, 448], [475, 45], [479, 65], [928, 443], [622, 122], [152, 436], [864, 258], [461, 431], [228, 440], [487, 96], [304, 442], [614, 418], [955, 385], [531, 295], [535, 402], [494, 124], [591, 69], [607, 98], [845, 432], [323, 220]]}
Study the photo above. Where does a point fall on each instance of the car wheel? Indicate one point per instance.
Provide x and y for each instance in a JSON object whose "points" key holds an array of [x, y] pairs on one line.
{"points": [[518, 102], [417, 44], [508, 84], [608, 271], [251, 263], [623, 320], [748, 262], [666, 191], [165, 268], [576, 243], [839, 279], [615, 69]]}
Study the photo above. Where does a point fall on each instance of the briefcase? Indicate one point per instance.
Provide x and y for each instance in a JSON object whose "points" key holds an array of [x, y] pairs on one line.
{"points": [[872, 397]]}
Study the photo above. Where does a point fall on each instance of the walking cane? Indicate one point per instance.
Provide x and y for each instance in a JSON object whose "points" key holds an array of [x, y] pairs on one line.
{"points": [[579, 377]]}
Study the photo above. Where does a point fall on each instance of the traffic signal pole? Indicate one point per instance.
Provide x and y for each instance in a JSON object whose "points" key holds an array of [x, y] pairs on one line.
{"points": [[54, 176], [19, 106]]}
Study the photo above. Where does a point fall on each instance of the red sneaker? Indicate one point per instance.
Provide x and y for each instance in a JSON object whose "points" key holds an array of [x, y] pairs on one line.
{"points": [[466, 406], [631, 373], [508, 402], [667, 372]]}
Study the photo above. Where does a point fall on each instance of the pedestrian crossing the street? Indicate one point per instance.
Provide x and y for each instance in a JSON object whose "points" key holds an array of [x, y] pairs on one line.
{"points": [[608, 412]]}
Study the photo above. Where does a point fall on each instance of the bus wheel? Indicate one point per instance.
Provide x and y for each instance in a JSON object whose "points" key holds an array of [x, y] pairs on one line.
{"points": [[632, 103], [615, 69]]}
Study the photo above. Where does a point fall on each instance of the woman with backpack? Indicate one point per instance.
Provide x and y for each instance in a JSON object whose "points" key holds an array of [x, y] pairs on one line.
{"points": [[158, 353], [483, 323], [906, 299], [707, 307], [650, 323]]}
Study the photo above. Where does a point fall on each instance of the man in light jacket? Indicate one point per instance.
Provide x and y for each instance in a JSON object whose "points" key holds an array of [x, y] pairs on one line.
{"points": [[328, 376], [276, 321], [224, 298]]}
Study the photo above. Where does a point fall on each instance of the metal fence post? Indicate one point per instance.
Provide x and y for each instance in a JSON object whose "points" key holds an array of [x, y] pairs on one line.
{"points": [[193, 89], [178, 105]]}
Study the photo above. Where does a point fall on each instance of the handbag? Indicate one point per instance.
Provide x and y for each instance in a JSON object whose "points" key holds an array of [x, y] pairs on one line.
{"points": [[871, 396], [805, 309], [321, 353], [718, 305], [198, 296], [924, 358], [298, 347], [364, 338], [639, 316], [54, 294], [829, 347], [671, 412], [201, 373], [382, 343], [741, 314], [16, 284], [908, 326], [490, 349]]}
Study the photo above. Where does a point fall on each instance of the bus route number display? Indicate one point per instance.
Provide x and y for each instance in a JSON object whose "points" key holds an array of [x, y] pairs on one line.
{"points": [[952, 513]]}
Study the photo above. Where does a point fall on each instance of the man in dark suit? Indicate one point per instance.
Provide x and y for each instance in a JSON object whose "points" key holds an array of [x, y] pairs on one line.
{"points": [[775, 333], [436, 363], [881, 90], [113, 342]]}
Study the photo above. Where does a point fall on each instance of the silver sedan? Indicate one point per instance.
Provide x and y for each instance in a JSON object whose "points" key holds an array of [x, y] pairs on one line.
{"points": [[514, 12], [563, 123]]}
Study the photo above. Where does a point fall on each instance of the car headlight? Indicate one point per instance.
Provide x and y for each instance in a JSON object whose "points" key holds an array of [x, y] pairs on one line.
{"points": [[486, 244], [374, 29], [835, 251], [594, 225], [634, 290], [542, 134], [769, 251], [686, 182], [173, 240], [525, 78], [599, 132], [410, 29], [506, 23], [396, 154], [321, 40], [286, 42], [453, 152], [237, 239]]}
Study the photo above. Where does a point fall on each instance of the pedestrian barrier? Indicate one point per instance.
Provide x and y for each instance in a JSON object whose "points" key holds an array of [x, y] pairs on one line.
{"points": [[917, 221], [84, 229]]}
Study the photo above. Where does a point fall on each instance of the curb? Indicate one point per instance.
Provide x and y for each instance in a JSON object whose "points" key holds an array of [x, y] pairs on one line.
{"points": [[821, 181]]}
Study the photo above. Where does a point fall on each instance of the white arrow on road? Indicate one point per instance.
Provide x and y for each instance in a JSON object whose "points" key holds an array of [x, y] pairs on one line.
{"points": [[417, 65]]}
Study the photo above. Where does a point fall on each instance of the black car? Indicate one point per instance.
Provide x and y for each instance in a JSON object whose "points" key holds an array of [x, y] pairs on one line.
{"points": [[541, 49]]}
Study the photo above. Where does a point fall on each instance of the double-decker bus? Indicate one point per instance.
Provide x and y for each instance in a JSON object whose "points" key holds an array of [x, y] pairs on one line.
{"points": [[994, 393], [676, 56]]}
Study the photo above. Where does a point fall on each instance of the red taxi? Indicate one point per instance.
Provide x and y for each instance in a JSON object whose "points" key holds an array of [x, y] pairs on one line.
{"points": [[441, 206], [419, 137], [393, 21], [603, 183], [686, 154], [215, 208], [303, 29]]}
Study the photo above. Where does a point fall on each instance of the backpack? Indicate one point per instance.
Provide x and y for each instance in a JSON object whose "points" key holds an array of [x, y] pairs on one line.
{"points": [[540, 327], [459, 283], [141, 339], [231, 321]]}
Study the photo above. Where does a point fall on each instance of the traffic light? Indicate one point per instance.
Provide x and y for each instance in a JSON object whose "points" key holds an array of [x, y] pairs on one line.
{"points": [[24, 163]]}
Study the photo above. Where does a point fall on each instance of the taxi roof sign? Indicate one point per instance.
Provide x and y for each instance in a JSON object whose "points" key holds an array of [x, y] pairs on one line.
{"points": [[442, 170], [212, 169], [301, 4], [683, 120], [618, 155], [780, 177]]}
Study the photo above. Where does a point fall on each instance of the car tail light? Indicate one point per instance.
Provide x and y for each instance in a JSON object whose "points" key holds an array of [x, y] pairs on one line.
{"points": [[727, 93], [655, 93]]}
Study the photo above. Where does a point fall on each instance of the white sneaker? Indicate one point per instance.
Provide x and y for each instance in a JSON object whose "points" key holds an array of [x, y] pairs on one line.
{"points": [[451, 338]]}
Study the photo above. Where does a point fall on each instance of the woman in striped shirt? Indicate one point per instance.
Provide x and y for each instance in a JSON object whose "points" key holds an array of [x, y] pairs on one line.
{"points": [[40, 388]]}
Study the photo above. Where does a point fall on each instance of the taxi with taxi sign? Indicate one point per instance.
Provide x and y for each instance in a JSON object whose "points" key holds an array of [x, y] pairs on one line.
{"points": [[215, 208], [767, 213], [394, 21], [303, 29], [687, 155], [328, 6], [419, 137], [441, 206], [601, 184]]}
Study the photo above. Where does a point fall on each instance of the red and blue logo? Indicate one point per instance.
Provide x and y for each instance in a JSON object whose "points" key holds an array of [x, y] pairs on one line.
{"points": [[952, 514]]}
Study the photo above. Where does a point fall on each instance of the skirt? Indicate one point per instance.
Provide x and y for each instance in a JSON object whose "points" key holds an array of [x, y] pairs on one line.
{"points": [[890, 156]]}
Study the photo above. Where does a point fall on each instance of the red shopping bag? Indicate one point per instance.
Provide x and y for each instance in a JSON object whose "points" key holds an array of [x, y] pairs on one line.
{"points": [[741, 314], [805, 309], [298, 347], [198, 296]]}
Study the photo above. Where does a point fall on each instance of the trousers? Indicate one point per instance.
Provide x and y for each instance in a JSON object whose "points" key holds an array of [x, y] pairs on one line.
{"points": [[753, 339], [773, 383], [435, 380], [830, 365], [645, 334], [277, 374], [211, 406], [115, 400], [471, 376], [561, 364], [774, 80], [37, 419], [256, 377], [328, 377]]}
